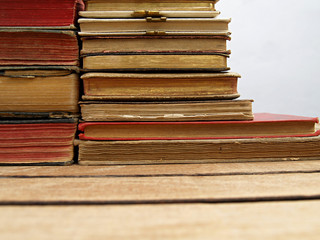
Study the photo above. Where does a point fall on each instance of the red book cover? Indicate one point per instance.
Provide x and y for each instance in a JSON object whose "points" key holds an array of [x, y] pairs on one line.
{"points": [[60, 14], [38, 47], [264, 125], [37, 141]]}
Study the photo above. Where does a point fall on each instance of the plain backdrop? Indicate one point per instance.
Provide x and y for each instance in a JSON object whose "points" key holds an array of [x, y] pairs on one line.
{"points": [[275, 47]]}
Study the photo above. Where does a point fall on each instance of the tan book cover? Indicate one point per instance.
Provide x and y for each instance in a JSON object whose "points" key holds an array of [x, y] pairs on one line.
{"points": [[151, 5], [167, 111], [98, 44], [156, 61], [159, 86], [154, 26], [39, 89]]}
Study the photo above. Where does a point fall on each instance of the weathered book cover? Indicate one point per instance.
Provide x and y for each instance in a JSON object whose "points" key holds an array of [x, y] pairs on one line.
{"points": [[60, 14], [159, 86], [198, 151], [264, 125], [37, 142], [39, 92], [163, 43], [153, 5], [154, 26], [27, 47], [167, 111], [156, 61]]}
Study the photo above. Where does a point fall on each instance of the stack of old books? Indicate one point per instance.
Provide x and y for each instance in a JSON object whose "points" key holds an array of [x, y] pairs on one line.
{"points": [[157, 90], [39, 81]]}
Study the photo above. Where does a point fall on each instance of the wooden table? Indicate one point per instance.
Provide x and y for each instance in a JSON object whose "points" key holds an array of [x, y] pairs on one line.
{"points": [[266, 200]]}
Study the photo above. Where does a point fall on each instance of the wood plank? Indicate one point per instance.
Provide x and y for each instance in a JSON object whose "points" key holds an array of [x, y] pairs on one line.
{"points": [[159, 189], [285, 220], [164, 170]]}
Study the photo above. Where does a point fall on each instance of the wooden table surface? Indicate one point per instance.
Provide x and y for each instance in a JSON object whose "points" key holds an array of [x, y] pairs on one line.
{"points": [[265, 200]]}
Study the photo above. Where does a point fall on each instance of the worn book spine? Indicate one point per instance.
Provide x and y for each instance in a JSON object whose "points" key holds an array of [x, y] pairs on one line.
{"points": [[198, 151]]}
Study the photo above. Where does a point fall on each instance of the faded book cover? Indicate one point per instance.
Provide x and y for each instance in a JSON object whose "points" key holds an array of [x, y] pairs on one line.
{"points": [[37, 142], [39, 92]]}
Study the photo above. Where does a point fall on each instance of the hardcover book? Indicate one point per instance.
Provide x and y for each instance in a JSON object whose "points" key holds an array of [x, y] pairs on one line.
{"points": [[167, 111], [264, 125], [168, 5], [60, 14], [37, 142], [148, 13], [99, 44], [154, 26], [160, 86], [156, 61], [39, 91], [198, 151], [27, 47]]}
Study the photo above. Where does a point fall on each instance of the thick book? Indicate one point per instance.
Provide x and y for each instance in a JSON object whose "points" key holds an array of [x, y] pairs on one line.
{"points": [[152, 5], [46, 91], [165, 43], [159, 86], [61, 14], [167, 111], [26, 47], [154, 26], [264, 125], [156, 61], [37, 142], [198, 151]]}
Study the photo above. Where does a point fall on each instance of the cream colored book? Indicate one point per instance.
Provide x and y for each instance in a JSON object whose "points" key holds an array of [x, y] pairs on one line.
{"points": [[153, 43], [159, 86], [154, 26], [151, 5]]}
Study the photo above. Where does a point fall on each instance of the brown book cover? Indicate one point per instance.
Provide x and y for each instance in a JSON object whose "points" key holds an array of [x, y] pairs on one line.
{"points": [[167, 111], [156, 61], [47, 91], [163, 43], [198, 151], [159, 86]]}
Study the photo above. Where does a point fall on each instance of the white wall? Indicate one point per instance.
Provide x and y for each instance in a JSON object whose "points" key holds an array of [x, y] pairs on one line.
{"points": [[276, 48]]}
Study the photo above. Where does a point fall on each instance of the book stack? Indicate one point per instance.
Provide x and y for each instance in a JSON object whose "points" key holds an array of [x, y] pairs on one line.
{"points": [[39, 81], [157, 90]]}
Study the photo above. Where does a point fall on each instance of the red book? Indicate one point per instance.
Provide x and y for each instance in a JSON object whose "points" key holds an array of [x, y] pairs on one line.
{"points": [[264, 125], [37, 141], [60, 14], [38, 47]]}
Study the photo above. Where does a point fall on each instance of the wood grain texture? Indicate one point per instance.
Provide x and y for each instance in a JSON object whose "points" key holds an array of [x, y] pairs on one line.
{"points": [[160, 189], [287, 220], [251, 168]]}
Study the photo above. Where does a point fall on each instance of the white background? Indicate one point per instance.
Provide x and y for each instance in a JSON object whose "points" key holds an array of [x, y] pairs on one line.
{"points": [[275, 47]]}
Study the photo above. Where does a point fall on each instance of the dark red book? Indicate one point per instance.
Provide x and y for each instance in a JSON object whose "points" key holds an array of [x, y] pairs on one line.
{"points": [[32, 142], [38, 47], [264, 125], [60, 14]]}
